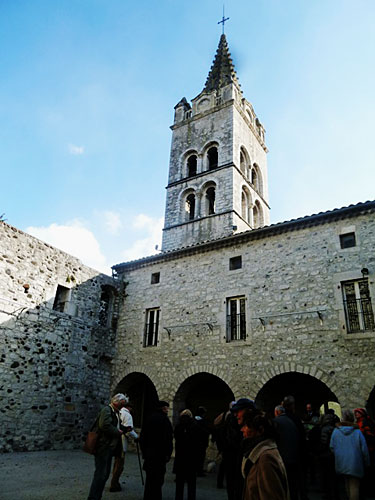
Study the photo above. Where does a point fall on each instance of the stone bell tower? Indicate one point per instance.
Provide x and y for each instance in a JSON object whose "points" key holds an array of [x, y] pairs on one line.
{"points": [[217, 183]]}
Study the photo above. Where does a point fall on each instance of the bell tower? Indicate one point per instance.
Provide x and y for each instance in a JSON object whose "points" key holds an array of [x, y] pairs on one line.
{"points": [[217, 183]]}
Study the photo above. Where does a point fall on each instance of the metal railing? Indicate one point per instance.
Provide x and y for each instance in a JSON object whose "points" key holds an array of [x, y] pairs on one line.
{"points": [[236, 327], [359, 315]]}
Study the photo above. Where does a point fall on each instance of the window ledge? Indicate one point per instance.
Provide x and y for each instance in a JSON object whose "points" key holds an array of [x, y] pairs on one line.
{"points": [[360, 335]]}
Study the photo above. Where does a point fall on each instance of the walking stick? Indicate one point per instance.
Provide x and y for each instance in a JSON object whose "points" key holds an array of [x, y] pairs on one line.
{"points": [[139, 462]]}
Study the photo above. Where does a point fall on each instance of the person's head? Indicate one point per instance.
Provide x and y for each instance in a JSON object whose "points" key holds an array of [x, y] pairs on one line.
{"points": [[347, 416], [308, 408], [360, 413], [256, 424], [119, 400], [279, 410], [240, 406], [163, 406], [289, 403]]}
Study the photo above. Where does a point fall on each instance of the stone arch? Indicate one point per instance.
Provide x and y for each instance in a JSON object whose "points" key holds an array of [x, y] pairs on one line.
{"points": [[141, 392], [256, 179], [246, 204], [208, 160], [245, 163], [188, 205], [306, 384], [184, 162], [209, 193], [202, 389], [258, 220]]}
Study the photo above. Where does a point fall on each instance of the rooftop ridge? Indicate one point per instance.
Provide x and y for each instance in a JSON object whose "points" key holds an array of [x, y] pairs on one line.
{"points": [[289, 225]]}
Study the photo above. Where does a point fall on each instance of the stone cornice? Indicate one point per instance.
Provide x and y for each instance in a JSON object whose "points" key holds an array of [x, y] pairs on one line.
{"points": [[254, 234]]}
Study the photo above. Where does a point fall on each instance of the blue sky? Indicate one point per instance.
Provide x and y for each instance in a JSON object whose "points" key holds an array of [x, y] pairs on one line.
{"points": [[87, 92]]}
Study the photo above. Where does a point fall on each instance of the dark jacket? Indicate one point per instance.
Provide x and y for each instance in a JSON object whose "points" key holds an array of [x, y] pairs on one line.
{"points": [[109, 435], [287, 439], [156, 438], [186, 436]]}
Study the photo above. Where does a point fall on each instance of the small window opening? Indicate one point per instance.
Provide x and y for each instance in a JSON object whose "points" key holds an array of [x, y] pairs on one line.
{"points": [[210, 196], [61, 298], [242, 163], [235, 263], [192, 166], [105, 301], [190, 207], [155, 278], [254, 178], [236, 319], [150, 337], [213, 158], [347, 240]]}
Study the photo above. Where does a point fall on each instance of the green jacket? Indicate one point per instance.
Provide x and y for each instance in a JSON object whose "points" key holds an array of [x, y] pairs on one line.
{"points": [[109, 435]]}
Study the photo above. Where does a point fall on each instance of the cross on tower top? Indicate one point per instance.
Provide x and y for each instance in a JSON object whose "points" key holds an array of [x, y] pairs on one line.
{"points": [[223, 20]]}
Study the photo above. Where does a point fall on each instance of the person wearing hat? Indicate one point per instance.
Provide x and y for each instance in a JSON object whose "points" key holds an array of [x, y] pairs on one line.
{"points": [[156, 442], [240, 406]]}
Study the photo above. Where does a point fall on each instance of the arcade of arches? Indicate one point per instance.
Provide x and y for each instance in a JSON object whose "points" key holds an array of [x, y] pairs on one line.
{"points": [[205, 389]]}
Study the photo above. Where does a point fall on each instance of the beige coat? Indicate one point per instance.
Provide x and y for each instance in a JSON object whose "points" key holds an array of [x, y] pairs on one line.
{"points": [[267, 478]]}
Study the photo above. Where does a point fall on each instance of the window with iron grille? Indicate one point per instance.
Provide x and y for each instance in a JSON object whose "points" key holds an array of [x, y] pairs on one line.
{"points": [[236, 319], [357, 304], [151, 327], [235, 263]]}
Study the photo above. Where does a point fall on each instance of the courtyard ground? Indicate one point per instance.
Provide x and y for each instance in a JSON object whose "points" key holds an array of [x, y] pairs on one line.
{"points": [[66, 475]]}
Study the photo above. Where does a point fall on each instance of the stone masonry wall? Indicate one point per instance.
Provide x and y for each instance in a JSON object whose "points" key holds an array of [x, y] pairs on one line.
{"points": [[54, 366], [286, 279]]}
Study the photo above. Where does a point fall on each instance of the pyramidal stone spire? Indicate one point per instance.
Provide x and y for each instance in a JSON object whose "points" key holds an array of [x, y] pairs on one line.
{"points": [[222, 71]]}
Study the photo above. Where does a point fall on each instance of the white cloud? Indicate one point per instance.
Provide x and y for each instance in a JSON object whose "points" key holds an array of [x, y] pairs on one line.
{"points": [[152, 229], [74, 239], [76, 150], [112, 221]]}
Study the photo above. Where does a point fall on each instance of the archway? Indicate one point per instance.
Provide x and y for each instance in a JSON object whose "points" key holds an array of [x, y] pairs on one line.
{"points": [[142, 394], [203, 389], [370, 405], [305, 389]]}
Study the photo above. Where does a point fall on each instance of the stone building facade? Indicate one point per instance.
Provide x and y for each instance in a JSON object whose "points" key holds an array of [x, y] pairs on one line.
{"points": [[57, 332], [270, 325], [234, 307]]}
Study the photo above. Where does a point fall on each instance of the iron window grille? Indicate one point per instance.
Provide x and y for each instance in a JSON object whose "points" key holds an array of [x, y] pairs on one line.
{"points": [[151, 328], [358, 307], [236, 319]]}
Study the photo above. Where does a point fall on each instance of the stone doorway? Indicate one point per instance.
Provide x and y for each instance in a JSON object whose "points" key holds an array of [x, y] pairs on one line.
{"points": [[142, 394], [305, 389], [202, 389]]}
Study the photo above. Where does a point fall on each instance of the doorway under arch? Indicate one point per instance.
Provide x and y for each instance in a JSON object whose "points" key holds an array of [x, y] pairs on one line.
{"points": [[370, 405], [142, 394], [202, 389], [304, 388]]}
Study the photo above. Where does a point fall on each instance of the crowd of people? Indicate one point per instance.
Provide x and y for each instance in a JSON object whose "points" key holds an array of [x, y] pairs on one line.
{"points": [[259, 456]]}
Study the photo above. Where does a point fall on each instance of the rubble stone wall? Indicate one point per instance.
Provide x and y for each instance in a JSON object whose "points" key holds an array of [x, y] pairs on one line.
{"points": [[55, 365]]}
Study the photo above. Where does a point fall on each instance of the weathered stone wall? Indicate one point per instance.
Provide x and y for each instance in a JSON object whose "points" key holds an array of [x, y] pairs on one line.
{"points": [[54, 366], [286, 279]]}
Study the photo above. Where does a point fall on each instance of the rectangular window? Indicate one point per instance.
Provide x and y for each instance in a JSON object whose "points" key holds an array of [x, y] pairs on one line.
{"points": [[236, 319], [357, 304], [151, 327], [155, 278], [62, 298], [347, 240], [235, 263]]}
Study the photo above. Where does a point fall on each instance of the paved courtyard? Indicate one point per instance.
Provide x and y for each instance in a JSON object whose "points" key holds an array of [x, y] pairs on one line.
{"points": [[66, 475]]}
